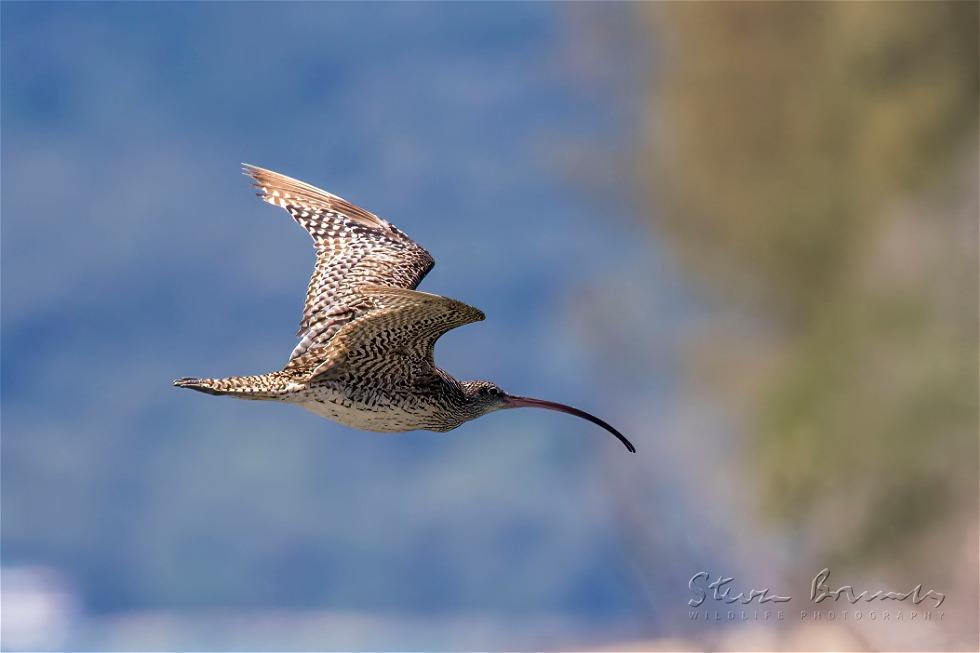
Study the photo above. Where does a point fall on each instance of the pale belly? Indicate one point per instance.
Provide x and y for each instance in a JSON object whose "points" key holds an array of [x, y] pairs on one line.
{"points": [[380, 415]]}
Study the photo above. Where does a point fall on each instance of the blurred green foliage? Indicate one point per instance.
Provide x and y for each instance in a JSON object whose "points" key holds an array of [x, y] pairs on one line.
{"points": [[814, 164]]}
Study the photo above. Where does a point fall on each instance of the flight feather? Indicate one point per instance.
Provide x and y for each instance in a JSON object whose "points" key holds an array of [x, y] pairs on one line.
{"points": [[354, 248]]}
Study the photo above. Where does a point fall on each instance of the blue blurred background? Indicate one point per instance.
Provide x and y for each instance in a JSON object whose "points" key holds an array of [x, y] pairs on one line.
{"points": [[523, 145]]}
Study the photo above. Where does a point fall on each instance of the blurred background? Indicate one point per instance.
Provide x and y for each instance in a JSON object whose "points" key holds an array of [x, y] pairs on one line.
{"points": [[744, 233]]}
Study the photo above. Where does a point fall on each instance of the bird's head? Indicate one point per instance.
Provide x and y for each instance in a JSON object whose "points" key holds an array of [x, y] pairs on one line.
{"points": [[484, 397]]}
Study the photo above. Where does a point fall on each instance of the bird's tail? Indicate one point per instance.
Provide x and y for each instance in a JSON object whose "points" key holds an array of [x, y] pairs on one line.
{"points": [[260, 386]]}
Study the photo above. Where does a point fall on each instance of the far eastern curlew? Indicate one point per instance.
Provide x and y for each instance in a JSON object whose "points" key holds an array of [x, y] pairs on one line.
{"points": [[365, 355]]}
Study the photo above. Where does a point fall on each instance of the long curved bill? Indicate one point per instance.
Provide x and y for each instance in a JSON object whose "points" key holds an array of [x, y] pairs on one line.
{"points": [[513, 401]]}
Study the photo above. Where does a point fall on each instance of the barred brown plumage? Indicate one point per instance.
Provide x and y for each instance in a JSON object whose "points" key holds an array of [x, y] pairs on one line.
{"points": [[367, 337]]}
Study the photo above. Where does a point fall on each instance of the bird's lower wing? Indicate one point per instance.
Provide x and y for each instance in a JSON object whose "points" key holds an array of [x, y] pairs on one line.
{"points": [[397, 338]]}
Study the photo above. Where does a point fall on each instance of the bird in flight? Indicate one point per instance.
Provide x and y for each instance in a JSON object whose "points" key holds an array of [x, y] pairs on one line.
{"points": [[367, 338]]}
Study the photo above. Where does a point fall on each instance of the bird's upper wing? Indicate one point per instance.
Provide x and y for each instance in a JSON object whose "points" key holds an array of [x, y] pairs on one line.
{"points": [[398, 337], [354, 248]]}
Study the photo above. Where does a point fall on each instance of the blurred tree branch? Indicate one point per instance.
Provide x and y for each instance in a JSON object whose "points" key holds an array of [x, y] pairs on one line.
{"points": [[815, 165]]}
